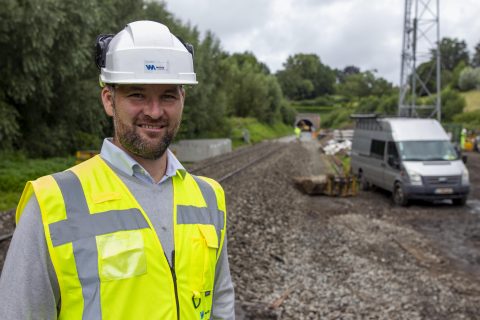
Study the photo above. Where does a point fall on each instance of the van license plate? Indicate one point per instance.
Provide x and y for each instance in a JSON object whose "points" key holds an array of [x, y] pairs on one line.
{"points": [[443, 190]]}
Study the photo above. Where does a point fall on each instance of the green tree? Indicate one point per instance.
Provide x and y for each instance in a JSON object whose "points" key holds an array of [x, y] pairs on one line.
{"points": [[253, 92], [347, 71], [46, 50], [453, 58], [452, 52], [364, 84], [49, 93], [206, 103], [304, 77], [476, 56]]}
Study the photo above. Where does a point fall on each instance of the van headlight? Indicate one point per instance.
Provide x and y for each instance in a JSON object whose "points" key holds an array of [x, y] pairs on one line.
{"points": [[415, 178], [465, 177]]}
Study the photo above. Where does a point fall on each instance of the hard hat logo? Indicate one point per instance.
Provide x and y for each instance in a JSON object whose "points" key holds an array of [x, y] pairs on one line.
{"points": [[152, 66], [166, 58]]}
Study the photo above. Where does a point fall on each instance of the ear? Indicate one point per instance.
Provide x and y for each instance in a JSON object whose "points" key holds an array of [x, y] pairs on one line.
{"points": [[107, 100], [182, 93]]}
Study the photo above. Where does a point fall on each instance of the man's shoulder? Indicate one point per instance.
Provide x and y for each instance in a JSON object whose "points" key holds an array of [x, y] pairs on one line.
{"points": [[86, 168], [212, 182]]}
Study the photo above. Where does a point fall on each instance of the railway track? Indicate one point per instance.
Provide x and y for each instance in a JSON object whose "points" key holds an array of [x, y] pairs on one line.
{"points": [[226, 166]]}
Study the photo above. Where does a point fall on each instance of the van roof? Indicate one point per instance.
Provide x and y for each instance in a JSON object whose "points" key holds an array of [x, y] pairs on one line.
{"points": [[414, 129]]}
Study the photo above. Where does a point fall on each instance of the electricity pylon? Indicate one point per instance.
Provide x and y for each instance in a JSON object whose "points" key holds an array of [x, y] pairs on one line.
{"points": [[421, 41]]}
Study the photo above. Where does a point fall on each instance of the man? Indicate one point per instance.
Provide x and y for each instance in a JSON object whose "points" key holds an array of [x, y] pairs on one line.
{"points": [[128, 234]]}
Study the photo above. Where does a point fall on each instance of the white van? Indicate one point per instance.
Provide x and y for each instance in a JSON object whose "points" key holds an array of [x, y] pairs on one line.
{"points": [[413, 158]]}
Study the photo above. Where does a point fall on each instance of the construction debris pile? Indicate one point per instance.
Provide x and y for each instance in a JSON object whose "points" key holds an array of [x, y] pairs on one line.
{"points": [[336, 180], [340, 143], [334, 147]]}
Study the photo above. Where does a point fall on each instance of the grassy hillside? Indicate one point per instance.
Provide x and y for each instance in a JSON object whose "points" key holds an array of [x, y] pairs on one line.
{"points": [[472, 98], [257, 131], [16, 170]]}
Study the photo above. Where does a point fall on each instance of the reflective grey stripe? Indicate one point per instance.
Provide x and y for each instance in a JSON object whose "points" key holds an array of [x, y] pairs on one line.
{"points": [[84, 250], [80, 228], [196, 215], [208, 215], [66, 231], [85, 253]]}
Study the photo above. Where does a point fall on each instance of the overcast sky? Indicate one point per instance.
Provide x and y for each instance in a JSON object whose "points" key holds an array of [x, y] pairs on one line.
{"points": [[365, 33]]}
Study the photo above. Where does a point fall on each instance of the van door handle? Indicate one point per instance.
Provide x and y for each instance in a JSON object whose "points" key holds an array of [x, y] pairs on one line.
{"points": [[382, 165]]}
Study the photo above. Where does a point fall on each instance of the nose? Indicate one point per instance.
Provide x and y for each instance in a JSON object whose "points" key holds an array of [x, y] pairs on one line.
{"points": [[154, 109]]}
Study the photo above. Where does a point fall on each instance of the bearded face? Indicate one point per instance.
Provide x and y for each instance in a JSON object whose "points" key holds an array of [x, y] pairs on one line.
{"points": [[144, 143], [146, 118]]}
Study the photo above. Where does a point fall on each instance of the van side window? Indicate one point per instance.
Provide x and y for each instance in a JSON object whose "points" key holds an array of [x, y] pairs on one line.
{"points": [[392, 150], [377, 149]]}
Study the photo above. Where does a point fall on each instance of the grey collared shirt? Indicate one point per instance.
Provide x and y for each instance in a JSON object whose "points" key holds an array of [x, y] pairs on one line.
{"points": [[126, 164], [28, 285]]}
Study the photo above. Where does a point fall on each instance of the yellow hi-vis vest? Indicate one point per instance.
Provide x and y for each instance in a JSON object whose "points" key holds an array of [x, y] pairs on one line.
{"points": [[106, 254]]}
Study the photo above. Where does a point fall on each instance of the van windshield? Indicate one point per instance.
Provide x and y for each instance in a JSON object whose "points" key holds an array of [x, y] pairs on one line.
{"points": [[427, 151]]}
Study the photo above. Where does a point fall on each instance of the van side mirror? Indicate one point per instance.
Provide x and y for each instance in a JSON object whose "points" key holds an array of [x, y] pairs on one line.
{"points": [[464, 159]]}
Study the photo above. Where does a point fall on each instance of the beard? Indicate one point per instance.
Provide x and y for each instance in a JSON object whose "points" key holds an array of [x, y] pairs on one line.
{"points": [[152, 149]]}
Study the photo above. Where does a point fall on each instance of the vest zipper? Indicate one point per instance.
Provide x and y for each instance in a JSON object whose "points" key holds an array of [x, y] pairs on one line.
{"points": [[174, 276]]}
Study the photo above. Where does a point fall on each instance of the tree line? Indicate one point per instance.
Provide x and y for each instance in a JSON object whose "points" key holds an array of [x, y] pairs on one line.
{"points": [[49, 92]]}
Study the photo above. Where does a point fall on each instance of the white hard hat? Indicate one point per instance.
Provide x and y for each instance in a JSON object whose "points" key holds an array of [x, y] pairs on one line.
{"points": [[145, 52]]}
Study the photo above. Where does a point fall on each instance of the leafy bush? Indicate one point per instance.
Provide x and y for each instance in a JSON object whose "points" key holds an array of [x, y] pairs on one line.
{"points": [[326, 100], [452, 104], [287, 113], [338, 118], [470, 120], [469, 79]]}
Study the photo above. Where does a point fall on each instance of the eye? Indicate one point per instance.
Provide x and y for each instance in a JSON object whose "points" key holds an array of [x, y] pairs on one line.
{"points": [[169, 97], [136, 96]]}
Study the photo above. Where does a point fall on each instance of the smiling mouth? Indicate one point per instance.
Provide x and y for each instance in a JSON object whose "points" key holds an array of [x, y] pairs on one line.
{"points": [[152, 127]]}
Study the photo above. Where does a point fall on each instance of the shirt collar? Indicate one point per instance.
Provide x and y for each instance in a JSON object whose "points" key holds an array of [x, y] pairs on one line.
{"points": [[125, 163]]}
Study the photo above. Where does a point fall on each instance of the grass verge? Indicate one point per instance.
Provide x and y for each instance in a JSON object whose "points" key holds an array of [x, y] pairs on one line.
{"points": [[16, 170], [472, 99], [257, 131]]}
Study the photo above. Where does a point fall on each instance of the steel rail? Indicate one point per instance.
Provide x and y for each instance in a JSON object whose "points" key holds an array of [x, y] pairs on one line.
{"points": [[228, 175], [233, 155]]}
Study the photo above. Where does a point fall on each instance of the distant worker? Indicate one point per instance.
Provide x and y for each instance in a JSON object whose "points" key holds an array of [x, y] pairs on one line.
{"points": [[298, 132], [463, 137], [128, 234], [246, 135]]}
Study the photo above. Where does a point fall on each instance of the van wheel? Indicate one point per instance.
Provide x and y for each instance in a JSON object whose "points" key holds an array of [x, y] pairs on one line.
{"points": [[459, 201], [399, 197], [364, 184]]}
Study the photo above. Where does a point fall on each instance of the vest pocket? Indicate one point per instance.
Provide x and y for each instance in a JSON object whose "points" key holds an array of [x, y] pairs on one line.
{"points": [[121, 255], [202, 302], [204, 255]]}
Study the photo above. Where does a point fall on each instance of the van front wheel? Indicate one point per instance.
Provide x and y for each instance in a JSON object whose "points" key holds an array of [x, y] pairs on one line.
{"points": [[399, 197], [364, 184], [460, 201]]}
